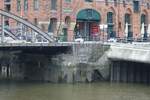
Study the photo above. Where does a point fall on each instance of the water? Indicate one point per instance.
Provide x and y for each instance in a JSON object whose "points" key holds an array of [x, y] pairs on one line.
{"points": [[93, 91]]}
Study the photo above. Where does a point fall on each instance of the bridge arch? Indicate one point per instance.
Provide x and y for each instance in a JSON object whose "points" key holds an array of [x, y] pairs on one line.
{"points": [[28, 24]]}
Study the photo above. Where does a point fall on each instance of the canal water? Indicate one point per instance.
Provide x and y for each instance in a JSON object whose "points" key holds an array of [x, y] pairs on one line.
{"points": [[88, 91]]}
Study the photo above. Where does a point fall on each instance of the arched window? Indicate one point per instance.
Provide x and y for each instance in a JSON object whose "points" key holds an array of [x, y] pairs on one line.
{"points": [[110, 23], [128, 21], [35, 21], [18, 5], [25, 5], [67, 21], [36, 4], [144, 20]]}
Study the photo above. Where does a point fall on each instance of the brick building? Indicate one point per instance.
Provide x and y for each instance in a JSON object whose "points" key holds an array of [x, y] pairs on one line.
{"points": [[83, 18]]}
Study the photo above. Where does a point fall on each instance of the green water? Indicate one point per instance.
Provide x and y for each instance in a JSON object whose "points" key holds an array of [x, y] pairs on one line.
{"points": [[93, 91]]}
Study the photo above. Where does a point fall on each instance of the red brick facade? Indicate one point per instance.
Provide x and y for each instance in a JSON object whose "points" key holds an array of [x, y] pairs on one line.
{"points": [[1, 5], [71, 10]]}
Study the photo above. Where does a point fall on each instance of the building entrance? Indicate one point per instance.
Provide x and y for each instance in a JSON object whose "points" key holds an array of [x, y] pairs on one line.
{"points": [[88, 30], [87, 25]]}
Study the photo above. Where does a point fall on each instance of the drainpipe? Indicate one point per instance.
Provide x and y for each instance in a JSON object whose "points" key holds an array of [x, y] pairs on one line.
{"points": [[60, 24], [118, 18]]}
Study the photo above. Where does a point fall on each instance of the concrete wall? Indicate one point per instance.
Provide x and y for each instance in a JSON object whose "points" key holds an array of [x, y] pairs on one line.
{"points": [[130, 63], [86, 58], [83, 63], [130, 72], [130, 52]]}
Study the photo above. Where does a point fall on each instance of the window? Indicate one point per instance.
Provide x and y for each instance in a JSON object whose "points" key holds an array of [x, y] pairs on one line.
{"points": [[115, 2], [144, 20], [128, 20], [148, 5], [52, 25], [18, 5], [110, 24], [89, 13], [36, 4], [6, 23], [67, 0], [7, 8], [136, 6], [89, 0], [25, 5], [53, 4], [35, 21], [67, 21], [106, 2], [124, 3], [109, 17]]}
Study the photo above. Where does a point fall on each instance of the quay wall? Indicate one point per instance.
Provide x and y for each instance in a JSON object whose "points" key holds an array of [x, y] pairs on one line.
{"points": [[82, 63]]}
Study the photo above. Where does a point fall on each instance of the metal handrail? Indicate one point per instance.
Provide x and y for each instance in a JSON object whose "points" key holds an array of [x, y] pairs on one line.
{"points": [[33, 27]]}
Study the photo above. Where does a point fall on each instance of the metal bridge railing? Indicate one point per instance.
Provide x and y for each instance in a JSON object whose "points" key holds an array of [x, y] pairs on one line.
{"points": [[25, 23]]}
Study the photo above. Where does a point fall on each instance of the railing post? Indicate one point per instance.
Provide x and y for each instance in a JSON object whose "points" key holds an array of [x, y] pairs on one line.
{"points": [[33, 37], [2, 34]]}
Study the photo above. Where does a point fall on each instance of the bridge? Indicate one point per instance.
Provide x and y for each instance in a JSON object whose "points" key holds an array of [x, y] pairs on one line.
{"points": [[30, 34], [26, 35], [27, 48]]}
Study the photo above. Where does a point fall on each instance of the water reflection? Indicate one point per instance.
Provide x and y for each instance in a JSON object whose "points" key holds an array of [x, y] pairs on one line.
{"points": [[93, 91]]}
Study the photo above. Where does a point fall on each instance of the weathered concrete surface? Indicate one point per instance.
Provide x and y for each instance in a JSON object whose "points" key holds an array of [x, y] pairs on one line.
{"points": [[130, 52], [130, 72], [85, 59], [83, 63]]}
